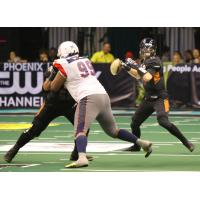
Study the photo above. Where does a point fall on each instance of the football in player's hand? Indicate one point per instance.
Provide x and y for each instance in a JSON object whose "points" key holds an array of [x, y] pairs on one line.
{"points": [[116, 67]]}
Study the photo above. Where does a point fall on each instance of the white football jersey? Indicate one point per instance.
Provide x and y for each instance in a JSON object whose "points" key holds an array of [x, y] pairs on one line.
{"points": [[80, 74]]}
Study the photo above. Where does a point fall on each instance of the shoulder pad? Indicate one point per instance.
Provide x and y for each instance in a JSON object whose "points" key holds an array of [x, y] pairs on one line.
{"points": [[72, 59], [153, 62]]}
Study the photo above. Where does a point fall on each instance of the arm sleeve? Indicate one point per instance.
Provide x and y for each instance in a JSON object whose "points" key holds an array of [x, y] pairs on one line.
{"points": [[60, 68]]}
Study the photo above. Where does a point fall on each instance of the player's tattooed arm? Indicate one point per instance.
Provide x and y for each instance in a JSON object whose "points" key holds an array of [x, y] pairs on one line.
{"points": [[146, 77], [134, 73], [57, 83], [133, 69], [117, 65], [138, 71], [46, 85]]}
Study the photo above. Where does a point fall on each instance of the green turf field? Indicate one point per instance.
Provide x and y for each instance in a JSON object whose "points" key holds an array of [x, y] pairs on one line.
{"points": [[50, 152]]}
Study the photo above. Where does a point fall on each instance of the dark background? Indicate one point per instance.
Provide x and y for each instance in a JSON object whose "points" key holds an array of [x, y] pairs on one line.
{"points": [[26, 42]]}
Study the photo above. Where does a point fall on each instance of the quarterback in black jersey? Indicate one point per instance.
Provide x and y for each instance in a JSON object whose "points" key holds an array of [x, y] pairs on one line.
{"points": [[63, 105], [156, 98]]}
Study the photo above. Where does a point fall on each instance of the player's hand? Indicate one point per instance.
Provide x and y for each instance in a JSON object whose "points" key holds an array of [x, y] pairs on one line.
{"points": [[116, 66]]}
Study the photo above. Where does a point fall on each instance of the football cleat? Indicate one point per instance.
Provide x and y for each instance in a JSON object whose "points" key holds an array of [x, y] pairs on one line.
{"points": [[74, 156], [190, 146], [146, 146], [79, 163], [132, 148], [8, 157]]}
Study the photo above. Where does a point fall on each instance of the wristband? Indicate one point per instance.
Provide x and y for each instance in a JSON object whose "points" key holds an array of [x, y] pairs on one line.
{"points": [[141, 71], [126, 67]]}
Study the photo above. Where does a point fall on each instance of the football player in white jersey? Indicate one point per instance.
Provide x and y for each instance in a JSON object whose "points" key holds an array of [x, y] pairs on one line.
{"points": [[78, 76]]}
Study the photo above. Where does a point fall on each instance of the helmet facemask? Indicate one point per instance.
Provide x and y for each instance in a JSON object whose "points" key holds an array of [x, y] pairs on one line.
{"points": [[147, 52], [147, 48]]}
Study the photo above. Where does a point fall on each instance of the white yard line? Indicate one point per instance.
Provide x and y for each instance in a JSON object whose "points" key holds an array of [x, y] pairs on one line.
{"points": [[120, 170], [64, 159], [100, 141], [31, 165], [152, 155], [113, 154], [20, 165], [47, 138]]}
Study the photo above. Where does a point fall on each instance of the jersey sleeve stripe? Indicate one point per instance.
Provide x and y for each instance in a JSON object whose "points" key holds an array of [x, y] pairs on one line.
{"points": [[60, 68]]}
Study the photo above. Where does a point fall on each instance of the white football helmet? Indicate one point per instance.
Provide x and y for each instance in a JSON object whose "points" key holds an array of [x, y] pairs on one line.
{"points": [[67, 49]]}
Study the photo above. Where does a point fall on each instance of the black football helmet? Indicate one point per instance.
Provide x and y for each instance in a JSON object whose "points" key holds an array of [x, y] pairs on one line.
{"points": [[147, 48]]}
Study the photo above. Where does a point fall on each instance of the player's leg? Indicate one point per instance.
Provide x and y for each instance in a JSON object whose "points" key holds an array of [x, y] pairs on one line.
{"points": [[108, 124], [69, 113], [162, 109], [39, 124], [142, 113], [86, 112]]}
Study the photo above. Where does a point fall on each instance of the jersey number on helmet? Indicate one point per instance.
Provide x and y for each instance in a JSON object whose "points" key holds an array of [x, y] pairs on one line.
{"points": [[85, 69]]}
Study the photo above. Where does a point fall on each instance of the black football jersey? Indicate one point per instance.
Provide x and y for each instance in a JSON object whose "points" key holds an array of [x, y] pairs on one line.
{"points": [[155, 87], [63, 96]]}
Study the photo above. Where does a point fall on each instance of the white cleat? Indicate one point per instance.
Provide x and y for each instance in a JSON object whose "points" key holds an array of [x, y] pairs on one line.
{"points": [[146, 146], [81, 162]]}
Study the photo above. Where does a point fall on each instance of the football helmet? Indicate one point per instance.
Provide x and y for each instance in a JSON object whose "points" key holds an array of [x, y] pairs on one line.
{"points": [[147, 48], [67, 49]]}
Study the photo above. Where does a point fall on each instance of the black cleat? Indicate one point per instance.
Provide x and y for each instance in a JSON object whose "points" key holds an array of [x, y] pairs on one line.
{"points": [[149, 151], [74, 156], [190, 146], [8, 157], [146, 146], [132, 148]]}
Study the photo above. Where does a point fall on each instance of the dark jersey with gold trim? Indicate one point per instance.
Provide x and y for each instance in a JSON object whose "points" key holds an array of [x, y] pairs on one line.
{"points": [[155, 87]]}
